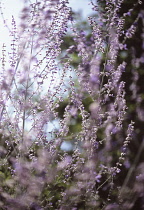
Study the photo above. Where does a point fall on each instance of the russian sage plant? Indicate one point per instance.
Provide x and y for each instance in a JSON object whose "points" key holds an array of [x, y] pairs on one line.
{"points": [[47, 103]]}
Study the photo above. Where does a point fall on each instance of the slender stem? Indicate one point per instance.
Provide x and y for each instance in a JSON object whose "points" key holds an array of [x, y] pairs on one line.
{"points": [[141, 147]]}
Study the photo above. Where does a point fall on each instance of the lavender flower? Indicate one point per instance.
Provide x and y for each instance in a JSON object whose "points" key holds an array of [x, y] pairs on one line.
{"points": [[46, 103]]}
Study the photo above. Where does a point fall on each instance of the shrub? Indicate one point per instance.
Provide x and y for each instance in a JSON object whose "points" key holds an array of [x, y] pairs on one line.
{"points": [[83, 97]]}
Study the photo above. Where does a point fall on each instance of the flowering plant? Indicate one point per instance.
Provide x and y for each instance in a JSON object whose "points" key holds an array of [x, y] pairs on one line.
{"points": [[66, 115]]}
